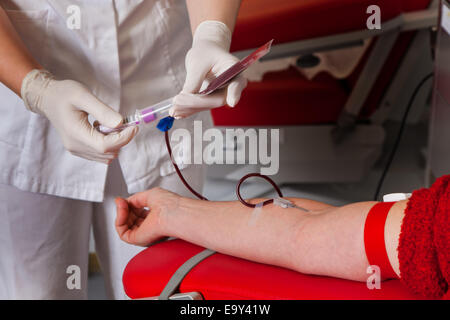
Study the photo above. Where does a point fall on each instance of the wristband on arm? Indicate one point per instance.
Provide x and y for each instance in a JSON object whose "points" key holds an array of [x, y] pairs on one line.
{"points": [[374, 241]]}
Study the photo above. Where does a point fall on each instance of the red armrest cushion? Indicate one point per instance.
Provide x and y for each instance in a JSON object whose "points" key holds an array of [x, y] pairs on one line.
{"points": [[224, 277]]}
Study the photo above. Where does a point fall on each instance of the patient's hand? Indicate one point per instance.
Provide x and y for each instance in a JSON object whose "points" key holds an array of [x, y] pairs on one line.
{"points": [[138, 218]]}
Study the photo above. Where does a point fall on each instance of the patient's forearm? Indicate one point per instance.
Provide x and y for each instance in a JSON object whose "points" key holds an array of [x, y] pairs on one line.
{"points": [[328, 241], [230, 227], [15, 60]]}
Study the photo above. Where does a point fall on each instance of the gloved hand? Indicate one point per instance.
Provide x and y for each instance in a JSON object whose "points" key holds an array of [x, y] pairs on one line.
{"points": [[208, 58], [67, 105]]}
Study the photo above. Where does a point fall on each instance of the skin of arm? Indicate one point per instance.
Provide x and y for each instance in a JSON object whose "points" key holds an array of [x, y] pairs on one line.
{"points": [[15, 60], [219, 10], [326, 241]]}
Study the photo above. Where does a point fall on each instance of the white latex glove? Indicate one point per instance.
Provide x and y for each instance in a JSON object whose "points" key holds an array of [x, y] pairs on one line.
{"points": [[67, 105], [208, 58]]}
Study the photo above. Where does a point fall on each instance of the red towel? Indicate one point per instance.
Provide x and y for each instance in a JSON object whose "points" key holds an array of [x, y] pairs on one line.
{"points": [[442, 234], [424, 253]]}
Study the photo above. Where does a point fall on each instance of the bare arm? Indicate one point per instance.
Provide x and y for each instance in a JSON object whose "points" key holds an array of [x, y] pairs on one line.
{"points": [[326, 241], [15, 60], [220, 10]]}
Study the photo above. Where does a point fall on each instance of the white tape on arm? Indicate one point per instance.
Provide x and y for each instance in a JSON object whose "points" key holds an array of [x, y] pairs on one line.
{"points": [[256, 213], [284, 203]]}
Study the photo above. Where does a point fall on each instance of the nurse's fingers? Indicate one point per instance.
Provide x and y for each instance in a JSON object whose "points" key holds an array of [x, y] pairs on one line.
{"points": [[107, 144], [105, 159], [100, 111], [114, 142], [186, 104], [234, 90], [196, 71], [86, 140], [102, 156]]}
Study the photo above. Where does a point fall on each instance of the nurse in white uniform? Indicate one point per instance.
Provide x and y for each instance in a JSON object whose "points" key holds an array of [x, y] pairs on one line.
{"points": [[62, 61]]}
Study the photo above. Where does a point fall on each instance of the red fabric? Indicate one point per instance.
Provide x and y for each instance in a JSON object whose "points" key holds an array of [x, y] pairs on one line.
{"points": [[296, 100], [299, 101], [374, 239], [291, 20], [424, 241], [442, 235], [224, 277], [286, 98]]}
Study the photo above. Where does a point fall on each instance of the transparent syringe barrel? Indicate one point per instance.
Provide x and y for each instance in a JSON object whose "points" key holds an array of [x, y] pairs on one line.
{"points": [[145, 115], [156, 111]]}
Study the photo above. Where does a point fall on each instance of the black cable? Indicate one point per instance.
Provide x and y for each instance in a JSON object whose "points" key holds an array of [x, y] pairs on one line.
{"points": [[400, 134]]}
